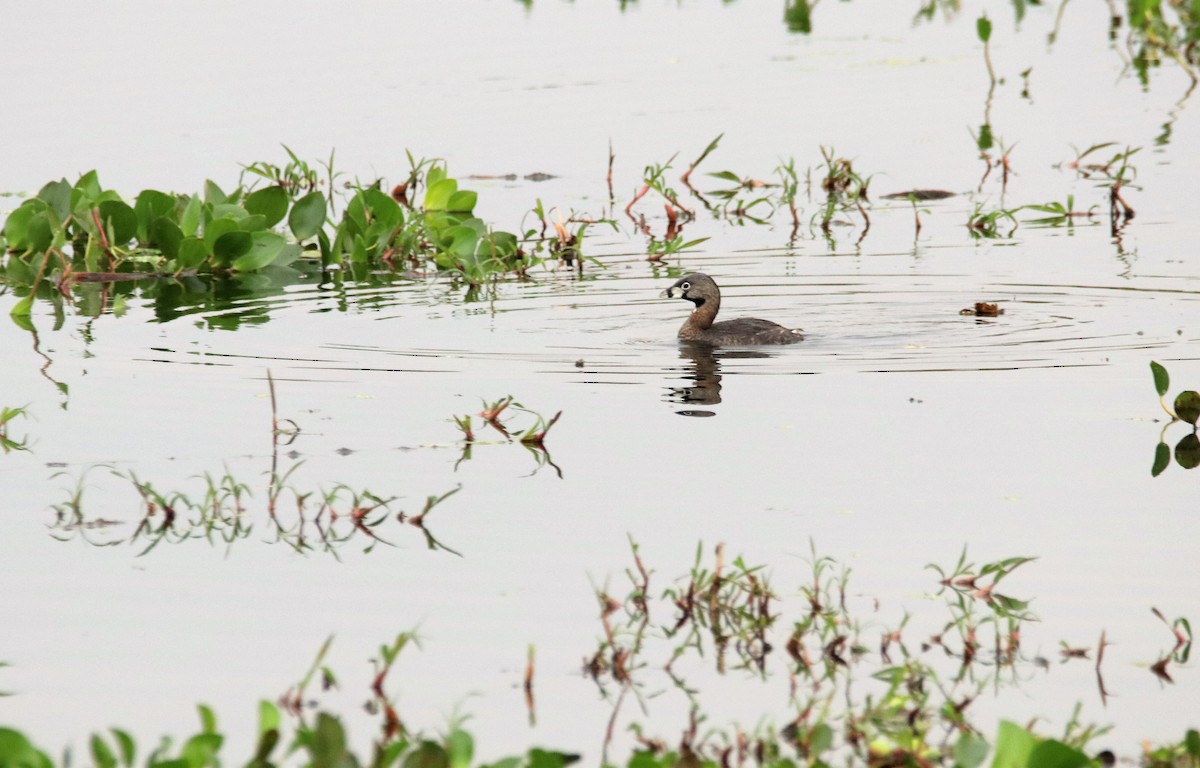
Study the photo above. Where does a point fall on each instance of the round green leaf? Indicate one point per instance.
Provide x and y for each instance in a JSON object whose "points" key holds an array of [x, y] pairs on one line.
{"points": [[150, 205], [1187, 406], [166, 235], [1187, 451], [265, 246], [308, 216], [437, 196], [271, 203], [216, 228], [192, 253], [120, 221], [231, 246]]}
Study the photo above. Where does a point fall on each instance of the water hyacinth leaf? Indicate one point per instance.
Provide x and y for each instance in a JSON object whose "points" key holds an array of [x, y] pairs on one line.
{"points": [[1014, 744], [798, 16], [231, 246], [39, 235], [1191, 742], [201, 750], [216, 229], [126, 745], [193, 252], [1187, 451], [970, 750], [1055, 754], [1187, 406], [328, 747], [461, 748], [268, 717], [213, 195], [308, 216], [23, 306], [149, 207], [189, 219], [271, 203], [119, 220], [1162, 380], [983, 28], [264, 248], [229, 211], [437, 196], [57, 195], [1162, 458], [462, 201], [385, 210], [166, 235], [101, 753], [86, 189], [253, 222], [17, 225], [18, 752]]}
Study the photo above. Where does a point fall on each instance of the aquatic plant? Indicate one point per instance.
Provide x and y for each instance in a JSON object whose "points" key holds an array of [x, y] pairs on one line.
{"points": [[1186, 408], [532, 437], [7, 442], [990, 224], [1060, 213], [71, 233]]}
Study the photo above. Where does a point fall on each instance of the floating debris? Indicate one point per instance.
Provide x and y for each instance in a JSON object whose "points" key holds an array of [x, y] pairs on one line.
{"points": [[983, 309]]}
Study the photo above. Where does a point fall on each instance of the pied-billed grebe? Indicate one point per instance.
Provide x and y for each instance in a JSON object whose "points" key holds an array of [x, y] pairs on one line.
{"points": [[700, 289]]}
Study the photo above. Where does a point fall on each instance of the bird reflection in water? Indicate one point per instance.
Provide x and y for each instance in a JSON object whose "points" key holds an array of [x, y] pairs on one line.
{"points": [[703, 370]]}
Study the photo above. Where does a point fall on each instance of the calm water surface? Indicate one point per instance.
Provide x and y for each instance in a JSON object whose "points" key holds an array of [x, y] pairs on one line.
{"points": [[897, 433]]}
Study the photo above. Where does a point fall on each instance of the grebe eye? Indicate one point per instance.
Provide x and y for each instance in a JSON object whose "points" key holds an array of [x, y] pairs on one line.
{"points": [[685, 286]]}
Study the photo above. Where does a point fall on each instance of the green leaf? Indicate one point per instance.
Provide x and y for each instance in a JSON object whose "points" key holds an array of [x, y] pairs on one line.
{"points": [[213, 194], [1013, 746], [231, 246], [126, 745], [149, 207], [86, 190], [729, 176], [1162, 380], [200, 751], [798, 16], [216, 228], [329, 742], [1162, 458], [193, 252], [271, 203], [308, 216], [264, 249], [428, 754], [120, 221], [385, 210], [189, 219], [983, 28], [166, 235], [101, 753], [17, 752], [462, 201], [1187, 451], [208, 720], [1187, 406], [970, 751], [437, 196], [1055, 754], [57, 195], [1191, 742], [39, 235], [460, 748]]}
